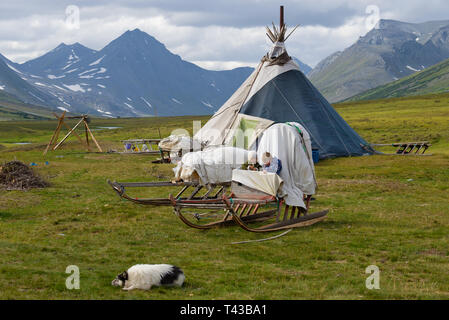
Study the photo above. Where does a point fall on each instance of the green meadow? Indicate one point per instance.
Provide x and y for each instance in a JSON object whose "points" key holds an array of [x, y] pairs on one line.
{"points": [[388, 211]]}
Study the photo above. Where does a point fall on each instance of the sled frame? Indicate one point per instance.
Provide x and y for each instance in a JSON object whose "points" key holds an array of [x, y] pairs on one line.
{"points": [[243, 211], [214, 191]]}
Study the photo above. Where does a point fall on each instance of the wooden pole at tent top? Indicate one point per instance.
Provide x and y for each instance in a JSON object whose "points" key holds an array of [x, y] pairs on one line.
{"points": [[281, 19]]}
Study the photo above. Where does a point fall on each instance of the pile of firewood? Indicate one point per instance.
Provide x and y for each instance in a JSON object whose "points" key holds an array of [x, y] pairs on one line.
{"points": [[16, 175]]}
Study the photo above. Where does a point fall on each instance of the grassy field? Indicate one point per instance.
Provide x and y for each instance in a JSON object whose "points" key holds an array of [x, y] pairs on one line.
{"points": [[388, 211]]}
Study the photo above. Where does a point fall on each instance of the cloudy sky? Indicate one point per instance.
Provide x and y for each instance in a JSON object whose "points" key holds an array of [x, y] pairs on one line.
{"points": [[219, 34]]}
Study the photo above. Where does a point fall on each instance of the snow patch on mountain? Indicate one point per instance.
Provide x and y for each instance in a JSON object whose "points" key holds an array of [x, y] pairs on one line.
{"points": [[58, 87], [40, 84], [74, 87], [148, 104], [14, 69], [51, 76], [128, 105], [97, 61], [413, 69], [87, 71], [207, 104]]}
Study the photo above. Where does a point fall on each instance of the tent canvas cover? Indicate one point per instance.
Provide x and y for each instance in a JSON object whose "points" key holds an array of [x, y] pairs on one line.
{"points": [[277, 92]]}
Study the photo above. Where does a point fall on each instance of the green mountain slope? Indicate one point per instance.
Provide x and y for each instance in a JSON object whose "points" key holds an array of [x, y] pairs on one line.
{"points": [[431, 80], [390, 51], [13, 109]]}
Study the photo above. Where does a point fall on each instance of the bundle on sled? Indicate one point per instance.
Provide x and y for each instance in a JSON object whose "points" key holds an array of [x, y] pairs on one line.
{"points": [[173, 147], [275, 200]]}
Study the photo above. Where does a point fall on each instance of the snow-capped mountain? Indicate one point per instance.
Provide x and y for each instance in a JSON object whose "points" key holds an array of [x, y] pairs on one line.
{"points": [[390, 51], [134, 75]]}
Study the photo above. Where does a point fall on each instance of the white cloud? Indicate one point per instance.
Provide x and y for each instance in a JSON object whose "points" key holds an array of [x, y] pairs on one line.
{"points": [[219, 35]]}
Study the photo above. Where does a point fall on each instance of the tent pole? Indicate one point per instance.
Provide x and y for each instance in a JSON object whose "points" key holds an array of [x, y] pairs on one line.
{"points": [[243, 101]]}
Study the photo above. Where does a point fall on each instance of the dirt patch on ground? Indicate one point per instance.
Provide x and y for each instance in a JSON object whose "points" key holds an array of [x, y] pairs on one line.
{"points": [[16, 175]]}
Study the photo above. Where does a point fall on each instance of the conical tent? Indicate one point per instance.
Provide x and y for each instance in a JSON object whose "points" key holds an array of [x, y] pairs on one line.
{"points": [[277, 92]]}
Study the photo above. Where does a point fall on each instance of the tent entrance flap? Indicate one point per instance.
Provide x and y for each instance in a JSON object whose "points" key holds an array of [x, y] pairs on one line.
{"points": [[245, 131]]}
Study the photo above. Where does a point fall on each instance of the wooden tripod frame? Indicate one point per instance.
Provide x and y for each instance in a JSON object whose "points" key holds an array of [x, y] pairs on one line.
{"points": [[54, 138]]}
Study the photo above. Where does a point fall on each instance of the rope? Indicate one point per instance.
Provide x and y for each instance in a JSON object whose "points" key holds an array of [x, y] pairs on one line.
{"points": [[266, 239]]}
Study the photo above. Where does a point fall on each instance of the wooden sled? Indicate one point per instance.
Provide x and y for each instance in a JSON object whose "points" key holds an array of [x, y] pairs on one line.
{"points": [[197, 191], [248, 206], [407, 148]]}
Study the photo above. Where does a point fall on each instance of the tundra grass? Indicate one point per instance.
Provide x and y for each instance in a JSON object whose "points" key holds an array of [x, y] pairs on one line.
{"points": [[388, 211]]}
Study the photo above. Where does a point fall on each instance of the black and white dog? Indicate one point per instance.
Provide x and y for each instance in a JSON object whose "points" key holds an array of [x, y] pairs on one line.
{"points": [[144, 276]]}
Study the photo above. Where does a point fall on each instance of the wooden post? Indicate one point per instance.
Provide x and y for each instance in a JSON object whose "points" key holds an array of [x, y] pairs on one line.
{"points": [[91, 135], [55, 136], [87, 136]]}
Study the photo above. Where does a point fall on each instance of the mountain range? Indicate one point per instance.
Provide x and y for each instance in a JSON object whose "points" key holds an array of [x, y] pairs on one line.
{"points": [[390, 51], [135, 75]]}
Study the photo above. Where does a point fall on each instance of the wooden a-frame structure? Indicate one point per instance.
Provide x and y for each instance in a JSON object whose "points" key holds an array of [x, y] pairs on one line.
{"points": [[53, 144]]}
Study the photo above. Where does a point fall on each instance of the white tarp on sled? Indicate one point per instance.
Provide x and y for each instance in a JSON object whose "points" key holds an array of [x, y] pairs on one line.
{"points": [[178, 145], [269, 182], [294, 149], [213, 165]]}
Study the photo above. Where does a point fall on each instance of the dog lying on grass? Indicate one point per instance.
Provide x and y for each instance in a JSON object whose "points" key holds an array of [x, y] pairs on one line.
{"points": [[144, 276]]}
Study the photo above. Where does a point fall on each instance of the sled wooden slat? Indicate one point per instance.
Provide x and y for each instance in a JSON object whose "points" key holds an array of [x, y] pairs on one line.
{"points": [[286, 223], [286, 212]]}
